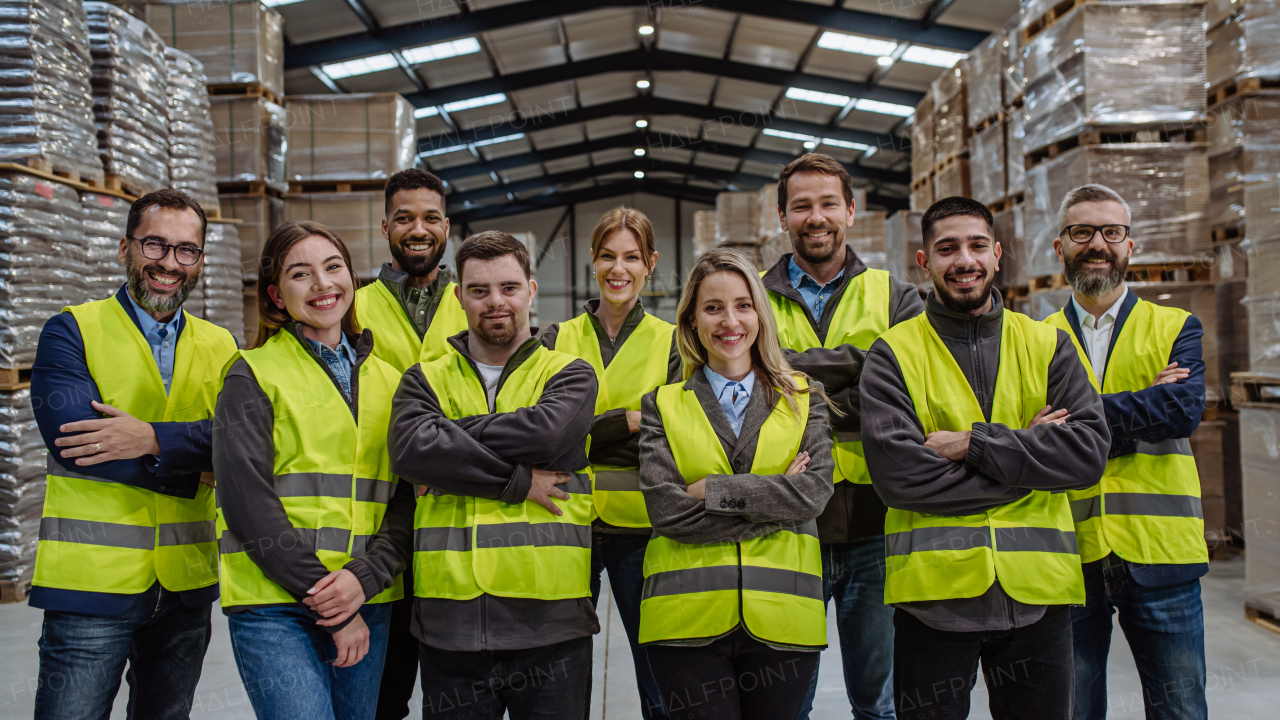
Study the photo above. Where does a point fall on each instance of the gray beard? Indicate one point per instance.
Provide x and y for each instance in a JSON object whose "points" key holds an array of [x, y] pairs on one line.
{"points": [[1094, 284], [148, 300]]}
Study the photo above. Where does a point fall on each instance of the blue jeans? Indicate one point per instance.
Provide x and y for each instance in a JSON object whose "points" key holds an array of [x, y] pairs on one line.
{"points": [[1165, 630], [284, 660], [623, 556], [853, 574], [83, 656]]}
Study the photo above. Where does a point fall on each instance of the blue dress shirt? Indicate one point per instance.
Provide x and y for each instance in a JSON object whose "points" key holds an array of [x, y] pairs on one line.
{"points": [[340, 360], [813, 294], [732, 394], [162, 337]]}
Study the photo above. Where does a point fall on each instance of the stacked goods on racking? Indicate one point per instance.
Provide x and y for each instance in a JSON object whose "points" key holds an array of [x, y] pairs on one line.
{"points": [[1243, 55], [922, 154], [867, 237], [903, 239], [987, 163], [1015, 134], [105, 218], [239, 43], [768, 222], [736, 218], [1262, 206], [259, 215], [356, 217], [1259, 451], [951, 132], [22, 488], [1011, 277], [704, 231], [130, 103], [191, 164], [220, 279], [249, 142], [46, 105], [368, 136]]}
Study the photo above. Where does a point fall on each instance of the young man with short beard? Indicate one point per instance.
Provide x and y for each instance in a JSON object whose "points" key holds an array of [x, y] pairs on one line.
{"points": [[124, 391], [830, 307], [975, 420], [1141, 530]]}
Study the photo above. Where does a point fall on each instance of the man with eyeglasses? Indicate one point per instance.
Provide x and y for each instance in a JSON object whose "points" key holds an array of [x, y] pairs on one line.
{"points": [[124, 390], [1141, 530]]}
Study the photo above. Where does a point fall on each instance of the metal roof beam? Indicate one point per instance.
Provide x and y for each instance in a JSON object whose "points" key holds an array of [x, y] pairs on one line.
{"points": [[599, 192]]}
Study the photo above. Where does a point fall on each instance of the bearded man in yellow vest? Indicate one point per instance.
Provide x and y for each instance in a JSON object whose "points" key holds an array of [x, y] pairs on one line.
{"points": [[124, 390], [975, 420], [830, 307], [496, 431], [1141, 530]]}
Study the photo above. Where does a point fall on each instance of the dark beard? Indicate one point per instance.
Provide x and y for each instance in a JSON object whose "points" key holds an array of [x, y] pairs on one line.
{"points": [[812, 257], [497, 338], [148, 300], [1091, 282], [967, 303], [412, 264]]}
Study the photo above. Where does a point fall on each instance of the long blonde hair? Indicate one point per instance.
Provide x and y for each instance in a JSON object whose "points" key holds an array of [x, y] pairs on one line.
{"points": [[772, 369]]}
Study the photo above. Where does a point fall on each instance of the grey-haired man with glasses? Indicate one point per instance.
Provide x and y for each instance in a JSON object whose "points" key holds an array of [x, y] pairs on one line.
{"points": [[1141, 530]]}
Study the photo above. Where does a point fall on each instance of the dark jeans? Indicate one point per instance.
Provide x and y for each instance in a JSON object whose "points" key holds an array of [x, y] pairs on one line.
{"points": [[1027, 670], [623, 556], [1165, 630], [400, 671], [545, 683], [83, 656], [853, 574], [734, 677], [285, 662]]}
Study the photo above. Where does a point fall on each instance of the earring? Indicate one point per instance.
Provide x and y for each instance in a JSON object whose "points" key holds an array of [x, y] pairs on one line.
{"points": [[647, 278], [594, 276]]}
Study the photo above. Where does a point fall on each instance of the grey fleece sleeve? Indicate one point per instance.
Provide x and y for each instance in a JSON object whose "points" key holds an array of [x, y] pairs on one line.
{"points": [[904, 301], [906, 474], [1049, 457], [837, 369], [781, 498], [428, 448]]}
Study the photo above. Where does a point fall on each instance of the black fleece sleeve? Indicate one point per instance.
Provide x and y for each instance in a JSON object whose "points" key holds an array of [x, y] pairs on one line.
{"points": [[390, 549], [838, 369], [1172, 410]]}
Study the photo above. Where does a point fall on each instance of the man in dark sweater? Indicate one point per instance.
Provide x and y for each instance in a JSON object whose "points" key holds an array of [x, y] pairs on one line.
{"points": [[982, 559]]}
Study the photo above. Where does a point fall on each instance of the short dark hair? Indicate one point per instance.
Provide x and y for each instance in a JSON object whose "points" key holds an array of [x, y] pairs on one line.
{"points": [[950, 207], [412, 179], [491, 244], [166, 198], [819, 163]]}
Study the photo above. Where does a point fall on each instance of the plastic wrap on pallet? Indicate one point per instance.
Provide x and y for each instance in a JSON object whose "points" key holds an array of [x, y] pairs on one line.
{"points": [[950, 83], [1015, 139], [704, 231], [1033, 10], [259, 215], [922, 138], [1215, 11], [774, 247], [950, 128], [369, 136], [356, 217], [1199, 299], [46, 105], [191, 164], [1226, 191], [1245, 44], [1262, 207], [736, 218], [902, 240], [1259, 456], [1263, 300], [952, 180], [1115, 64], [105, 220], [986, 76], [238, 42], [22, 485], [221, 279], [867, 238], [767, 222], [1251, 124], [42, 260], [1233, 332], [1011, 234], [1014, 80], [1044, 303], [1166, 186], [249, 140], [922, 194], [1225, 50], [987, 164]]}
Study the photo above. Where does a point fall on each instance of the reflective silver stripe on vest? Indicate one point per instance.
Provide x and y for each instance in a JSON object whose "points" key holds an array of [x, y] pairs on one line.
{"points": [[580, 484], [93, 532], [1035, 539], [53, 467], [932, 539], [332, 539], [810, 528], [618, 480], [313, 485], [848, 437], [1085, 508], [360, 545], [187, 533], [1154, 504], [442, 538], [371, 490], [692, 580], [1172, 446], [523, 534], [778, 580]]}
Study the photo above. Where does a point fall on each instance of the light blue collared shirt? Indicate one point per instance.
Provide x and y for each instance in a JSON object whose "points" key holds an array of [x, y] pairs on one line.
{"points": [[162, 337], [813, 294], [726, 389], [340, 361]]}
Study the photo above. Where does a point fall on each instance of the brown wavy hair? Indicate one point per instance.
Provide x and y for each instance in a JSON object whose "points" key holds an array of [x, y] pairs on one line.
{"points": [[623, 217], [272, 318]]}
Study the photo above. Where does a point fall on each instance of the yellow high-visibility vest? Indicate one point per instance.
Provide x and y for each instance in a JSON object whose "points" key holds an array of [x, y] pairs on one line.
{"points": [[397, 343]]}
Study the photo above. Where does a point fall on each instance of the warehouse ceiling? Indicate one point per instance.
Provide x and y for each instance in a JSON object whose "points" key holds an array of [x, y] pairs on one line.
{"points": [[523, 104]]}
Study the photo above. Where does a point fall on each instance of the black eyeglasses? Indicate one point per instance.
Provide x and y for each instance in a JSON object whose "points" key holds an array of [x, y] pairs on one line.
{"points": [[1084, 233], [157, 249]]}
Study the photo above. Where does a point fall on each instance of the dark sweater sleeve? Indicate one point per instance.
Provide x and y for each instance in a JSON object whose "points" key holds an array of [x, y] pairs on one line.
{"points": [[390, 549], [1172, 410], [675, 364], [1049, 456], [838, 370], [243, 462], [904, 301], [906, 474], [421, 437]]}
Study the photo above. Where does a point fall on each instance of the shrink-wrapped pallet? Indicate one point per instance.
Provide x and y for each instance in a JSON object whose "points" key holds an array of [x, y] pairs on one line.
{"points": [[1014, 81], [1115, 64], [105, 220], [950, 83], [130, 103], [704, 231], [736, 218], [1263, 300], [42, 260], [1010, 233], [1015, 138], [221, 279], [867, 238], [249, 140], [1165, 185], [767, 220], [1206, 448], [922, 139], [1250, 124], [1043, 303], [46, 104], [950, 127], [773, 248], [986, 77], [191, 164], [1233, 333], [1259, 457], [238, 42], [1226, 189], [922, 194], [1245, 44], [369, 136], [22, 486], [987, 164], [259, 215], [356, 217], [902, 240], [1262, 207], [952, 180]]}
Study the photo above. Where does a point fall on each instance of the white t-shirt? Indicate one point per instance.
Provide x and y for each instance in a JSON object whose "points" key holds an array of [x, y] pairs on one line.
{"points": [[490, 374]]}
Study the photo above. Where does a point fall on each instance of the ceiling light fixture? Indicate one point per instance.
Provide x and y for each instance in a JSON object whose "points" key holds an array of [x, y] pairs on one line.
{"points": [[361, 66], [931, 56], [642, 123], [441, 51], [639, 174], [476, 102], [646, 29], [856, 44], [642, 84], [639, 152], [884, 108], [884, 61], [814, 96]]}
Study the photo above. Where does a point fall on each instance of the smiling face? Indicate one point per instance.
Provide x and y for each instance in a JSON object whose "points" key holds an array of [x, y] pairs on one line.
{"points": [[496, 296], [726, 321], [816, 216], [962, 260], [315, 286], [161, 286], [417, 230], [621, 267], [1097, 267]]}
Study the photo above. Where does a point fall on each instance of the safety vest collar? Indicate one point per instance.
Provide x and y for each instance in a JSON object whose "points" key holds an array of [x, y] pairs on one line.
{"points": [[523, 353], [392, 282], [1131, 301], [777, 280]]}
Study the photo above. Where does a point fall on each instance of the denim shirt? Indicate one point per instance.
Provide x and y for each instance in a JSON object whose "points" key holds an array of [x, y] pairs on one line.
{"points": [[162, 337], [813, 294], [724, 388], [340, 361]]}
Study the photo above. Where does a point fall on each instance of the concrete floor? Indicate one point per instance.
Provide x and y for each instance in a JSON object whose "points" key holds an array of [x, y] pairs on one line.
{"points": [[1243, 665]]}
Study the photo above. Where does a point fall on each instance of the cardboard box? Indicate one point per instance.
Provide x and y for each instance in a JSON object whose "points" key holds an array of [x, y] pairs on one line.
{"points": [[902, 240], [922, 139], [370, 136], [355, 217], [259, 216], [987, 166], [867, 238], [952, 180], [736, 219], [249, 140], [1259, 453], [704, 231], [238, 42]]}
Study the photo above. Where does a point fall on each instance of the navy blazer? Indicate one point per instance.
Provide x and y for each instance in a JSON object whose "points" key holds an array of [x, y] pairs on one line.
{"points": [[61, 389]]}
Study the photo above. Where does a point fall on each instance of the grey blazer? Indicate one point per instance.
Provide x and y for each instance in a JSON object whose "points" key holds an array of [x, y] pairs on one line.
{"points": [[741, 506]]}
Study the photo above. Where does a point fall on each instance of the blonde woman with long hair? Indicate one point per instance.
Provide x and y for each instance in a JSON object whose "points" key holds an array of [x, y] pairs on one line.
{"points": [[735, 465]]}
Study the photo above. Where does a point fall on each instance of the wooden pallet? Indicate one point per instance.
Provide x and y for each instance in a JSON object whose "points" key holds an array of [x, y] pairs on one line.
{"points": [[252, 90], [1228, 90], [1014, 292], [1005, 203], [1262, 618], [1045, 21], [256, 187], [49, 167], [950, 160], [66, 179], [336, 186], [1228, 233], [1247, 387], [1047, 282], [920, 182], [1171, 135], [993, 120], [15, 378], [13, 591], [122, 186], [1156, 273]]}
